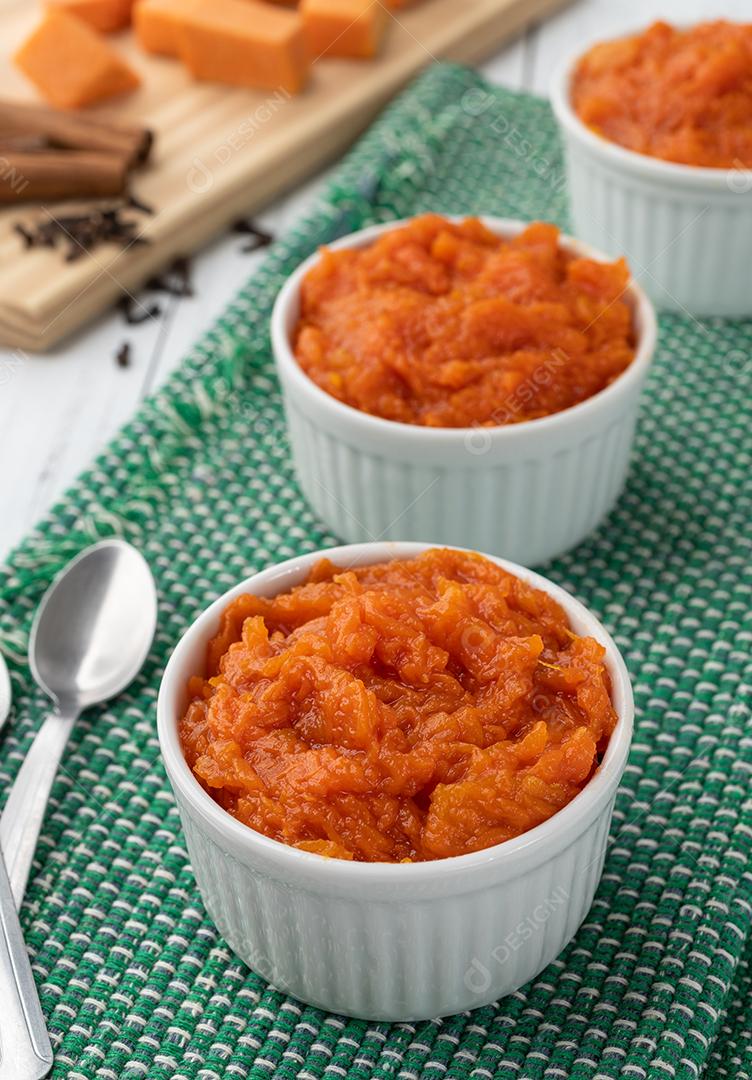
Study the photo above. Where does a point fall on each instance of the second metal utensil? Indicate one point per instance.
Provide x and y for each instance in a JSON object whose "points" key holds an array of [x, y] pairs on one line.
{"points": [[25, 1049], [5, 693], [90, 637]]}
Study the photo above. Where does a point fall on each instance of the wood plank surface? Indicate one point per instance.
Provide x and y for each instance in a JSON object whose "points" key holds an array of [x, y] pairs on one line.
{"points": [[221, 152]]}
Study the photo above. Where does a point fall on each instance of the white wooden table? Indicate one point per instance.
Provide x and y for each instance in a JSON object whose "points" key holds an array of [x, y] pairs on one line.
{"points": [[57, 411]]}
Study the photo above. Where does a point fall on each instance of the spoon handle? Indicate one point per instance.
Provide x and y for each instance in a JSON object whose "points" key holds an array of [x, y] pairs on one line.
{"points": [[5, 692], [25, 1049], [22, 818]]}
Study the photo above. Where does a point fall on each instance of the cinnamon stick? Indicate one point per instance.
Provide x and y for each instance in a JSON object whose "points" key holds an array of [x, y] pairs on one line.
{"points": [[21, 142], [60, 174], [74, 131]]}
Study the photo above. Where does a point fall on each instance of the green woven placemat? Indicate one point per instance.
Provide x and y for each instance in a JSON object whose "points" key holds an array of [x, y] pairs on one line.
{"points": [[134, 980]]}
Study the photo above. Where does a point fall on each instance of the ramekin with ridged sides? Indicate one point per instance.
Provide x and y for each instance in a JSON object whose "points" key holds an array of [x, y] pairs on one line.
{"points": [[527, 491], [384, 941], [686, 230]]}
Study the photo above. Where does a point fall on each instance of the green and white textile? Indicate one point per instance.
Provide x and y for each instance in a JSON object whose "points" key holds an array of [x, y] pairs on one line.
{"points": [[134, 980]]}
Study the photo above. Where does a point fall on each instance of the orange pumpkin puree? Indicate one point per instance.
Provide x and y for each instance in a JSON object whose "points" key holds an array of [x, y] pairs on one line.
{"points": [[680, 95], [404, 711], [447, 325]]}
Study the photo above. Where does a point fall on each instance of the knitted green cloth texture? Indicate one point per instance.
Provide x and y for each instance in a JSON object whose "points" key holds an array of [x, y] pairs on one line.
{"points": [[134, 980]]}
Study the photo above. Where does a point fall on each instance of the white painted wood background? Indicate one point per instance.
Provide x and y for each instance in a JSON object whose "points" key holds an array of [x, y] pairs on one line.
{"points": [[58, 410]]}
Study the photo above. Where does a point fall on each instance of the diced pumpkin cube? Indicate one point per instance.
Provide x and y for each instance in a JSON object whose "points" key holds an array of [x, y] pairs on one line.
{"points": [[245, 43], [157, 24], [103, 15], [71, 64], [343, 27]]}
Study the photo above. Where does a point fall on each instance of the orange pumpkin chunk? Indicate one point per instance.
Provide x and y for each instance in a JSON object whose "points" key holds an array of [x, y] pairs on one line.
{"points": [[71, 64], [157, 24], [676, 94], [103, 15], [409, 710], [245, 43], [348, 28]]}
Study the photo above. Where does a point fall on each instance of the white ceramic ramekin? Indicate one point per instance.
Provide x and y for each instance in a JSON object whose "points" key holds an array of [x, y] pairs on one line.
{"points": [[527, 491], [384, 941], [686, 230]]}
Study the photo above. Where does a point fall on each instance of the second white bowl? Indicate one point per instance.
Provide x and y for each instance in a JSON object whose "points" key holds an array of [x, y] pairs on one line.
{"points": [[686, 230], [527, 491]]}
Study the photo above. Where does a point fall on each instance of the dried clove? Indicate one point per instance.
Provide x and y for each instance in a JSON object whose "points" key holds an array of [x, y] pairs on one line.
{"points": [[135, 313], [136, 204], [123, 355], [257, 238], [26, 236], [81, 232], [175, 280]]}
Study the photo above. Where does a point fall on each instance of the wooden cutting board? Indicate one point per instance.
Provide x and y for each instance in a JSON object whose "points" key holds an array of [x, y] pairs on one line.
{"points": [[220, 152]]}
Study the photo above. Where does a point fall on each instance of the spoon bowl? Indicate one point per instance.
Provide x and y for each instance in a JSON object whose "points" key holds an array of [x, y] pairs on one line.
{"points": [[94, 627], [89, 639]]}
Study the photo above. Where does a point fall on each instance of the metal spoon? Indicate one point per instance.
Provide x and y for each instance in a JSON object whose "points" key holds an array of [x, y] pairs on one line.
{"points": [[25, 1049], [5, 693], [89, 639]]}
